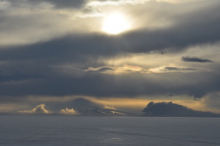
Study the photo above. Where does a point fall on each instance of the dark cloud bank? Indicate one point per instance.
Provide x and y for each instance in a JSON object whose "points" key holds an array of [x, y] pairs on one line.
{"points": [[31, 70], [173, 110], [195, 59]]}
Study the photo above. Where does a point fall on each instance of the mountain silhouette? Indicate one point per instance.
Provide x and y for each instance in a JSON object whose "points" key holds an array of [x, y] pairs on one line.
{"points": [[169, 109], [87, 107]]}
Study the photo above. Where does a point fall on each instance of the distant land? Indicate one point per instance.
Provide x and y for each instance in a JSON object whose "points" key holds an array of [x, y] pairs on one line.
{"points": [[88, 108], [85, 107], [169, 109]]}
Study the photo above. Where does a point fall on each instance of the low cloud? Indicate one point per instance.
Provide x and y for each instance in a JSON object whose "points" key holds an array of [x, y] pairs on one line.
{"points": [[86, 107], [40, 109], [195, 59], [212, 100], [68, 111]]}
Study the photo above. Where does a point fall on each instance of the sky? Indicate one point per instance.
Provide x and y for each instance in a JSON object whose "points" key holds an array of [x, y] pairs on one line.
{"points": [[117, 55]]}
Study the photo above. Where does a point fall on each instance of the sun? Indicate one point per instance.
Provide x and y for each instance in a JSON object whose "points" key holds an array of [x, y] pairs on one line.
{"points": [[115, 23]]}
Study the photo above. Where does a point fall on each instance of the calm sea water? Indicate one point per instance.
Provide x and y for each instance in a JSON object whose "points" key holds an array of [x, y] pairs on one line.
{"points": [[108, 131]]}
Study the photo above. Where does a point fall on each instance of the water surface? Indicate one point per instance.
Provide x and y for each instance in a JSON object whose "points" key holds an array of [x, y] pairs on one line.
{"points": [[108, 131]]}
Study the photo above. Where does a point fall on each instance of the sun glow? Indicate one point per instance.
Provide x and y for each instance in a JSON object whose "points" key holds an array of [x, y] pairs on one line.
{"points": [[115, 23]]}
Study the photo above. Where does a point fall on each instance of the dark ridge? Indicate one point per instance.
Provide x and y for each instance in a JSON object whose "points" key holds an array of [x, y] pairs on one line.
{"points": [[169, 109]]}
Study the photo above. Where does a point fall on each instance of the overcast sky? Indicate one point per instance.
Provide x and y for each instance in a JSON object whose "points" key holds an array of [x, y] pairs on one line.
{"points": [[119, 54]]}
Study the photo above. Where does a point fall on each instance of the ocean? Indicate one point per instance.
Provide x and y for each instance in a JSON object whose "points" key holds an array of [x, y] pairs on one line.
{"points": [[108, 131]]}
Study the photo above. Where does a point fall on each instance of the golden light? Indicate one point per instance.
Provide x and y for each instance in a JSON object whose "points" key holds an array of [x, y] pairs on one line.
{"points": [[115, 23]]}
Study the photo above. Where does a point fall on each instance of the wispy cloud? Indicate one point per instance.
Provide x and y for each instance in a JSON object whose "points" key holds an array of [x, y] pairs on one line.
{"points": [[116, 70], [174, 68], [133, 68]]}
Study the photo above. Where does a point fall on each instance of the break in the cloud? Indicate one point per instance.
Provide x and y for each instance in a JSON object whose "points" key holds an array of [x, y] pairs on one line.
{"points": [[132, 69], [52, 48], [115, 2], [124, 2], [195, 59], [173, 68]]}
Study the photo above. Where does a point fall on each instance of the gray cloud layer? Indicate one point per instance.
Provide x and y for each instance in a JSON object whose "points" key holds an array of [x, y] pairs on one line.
{"points": [[34, 69], [57, 3]]}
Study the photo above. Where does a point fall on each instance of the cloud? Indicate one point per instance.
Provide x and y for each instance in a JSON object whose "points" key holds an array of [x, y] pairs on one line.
{"points": [[4, 5], [115, 2], [173, 110], [66, 3], [68, 65], [212, 100], [195, 59], [116, 70], [87, 107], [29, 29], [68, 111], [21, 25], [40, 109], [79, 106], [56, 3], [124, 2], [101, 69], [173, 68], [21, 79], [55, 24]]}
